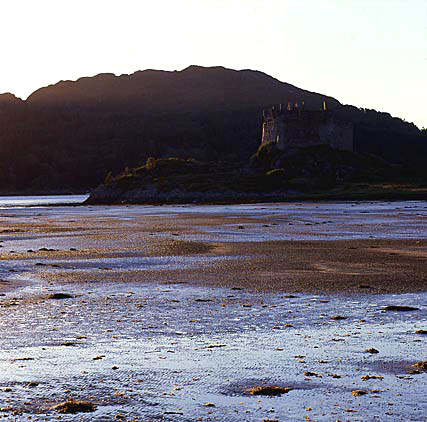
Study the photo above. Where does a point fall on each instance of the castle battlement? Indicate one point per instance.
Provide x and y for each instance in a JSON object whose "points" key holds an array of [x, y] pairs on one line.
{"points": [[295, 126]]}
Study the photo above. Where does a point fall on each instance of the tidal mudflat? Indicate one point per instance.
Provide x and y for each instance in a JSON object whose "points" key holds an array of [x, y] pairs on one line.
{"points": [[174, 313]]}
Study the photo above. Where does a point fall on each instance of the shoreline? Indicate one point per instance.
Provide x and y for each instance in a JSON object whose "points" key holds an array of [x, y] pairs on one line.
{"points": [[255, 199], [237, 198]]}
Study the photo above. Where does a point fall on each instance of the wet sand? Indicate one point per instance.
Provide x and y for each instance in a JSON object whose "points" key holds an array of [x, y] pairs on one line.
{"points": [[382, 251], [350, 267], [175, 307]]}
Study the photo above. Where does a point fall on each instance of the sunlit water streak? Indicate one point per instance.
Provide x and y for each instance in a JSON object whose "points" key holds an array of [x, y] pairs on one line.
{"points": [[37, 201]]}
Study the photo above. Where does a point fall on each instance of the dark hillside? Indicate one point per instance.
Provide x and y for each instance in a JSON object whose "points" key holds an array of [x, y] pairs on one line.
{"points": [[193, 89], [68, 136], [8, 100]]}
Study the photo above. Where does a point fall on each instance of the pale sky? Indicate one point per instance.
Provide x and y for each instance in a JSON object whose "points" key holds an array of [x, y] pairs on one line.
{"points": [[369, 53]]}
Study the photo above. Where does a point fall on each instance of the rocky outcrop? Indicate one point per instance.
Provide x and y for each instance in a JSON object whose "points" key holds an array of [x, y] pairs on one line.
{"points": [[318, 172], [108, 195]]}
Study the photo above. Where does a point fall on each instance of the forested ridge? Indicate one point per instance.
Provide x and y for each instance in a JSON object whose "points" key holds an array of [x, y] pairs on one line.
{"points": [[69, 136]]}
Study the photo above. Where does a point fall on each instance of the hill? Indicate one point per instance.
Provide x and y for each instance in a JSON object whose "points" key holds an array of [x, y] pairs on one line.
{"points": [[195, 88], [68, 136]]}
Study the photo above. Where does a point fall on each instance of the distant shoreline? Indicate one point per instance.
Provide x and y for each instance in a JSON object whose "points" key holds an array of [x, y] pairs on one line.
{"points": [[229, 198], [239, 198]]}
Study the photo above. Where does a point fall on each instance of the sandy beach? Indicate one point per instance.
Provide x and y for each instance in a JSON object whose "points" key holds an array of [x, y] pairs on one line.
{"points": [[170, 308], [252, 254], [349, 266]]}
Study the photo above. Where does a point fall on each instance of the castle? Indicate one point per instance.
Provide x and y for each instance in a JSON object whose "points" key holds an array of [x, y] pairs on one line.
{"points": [[295, 127]]}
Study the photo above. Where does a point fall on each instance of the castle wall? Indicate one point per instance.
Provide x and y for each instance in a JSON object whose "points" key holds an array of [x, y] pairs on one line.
{"points": [[342, 136], [301, 128]]}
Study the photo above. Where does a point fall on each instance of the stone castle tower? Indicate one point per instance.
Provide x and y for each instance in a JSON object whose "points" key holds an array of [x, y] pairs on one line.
{"points": [[295, 127]]}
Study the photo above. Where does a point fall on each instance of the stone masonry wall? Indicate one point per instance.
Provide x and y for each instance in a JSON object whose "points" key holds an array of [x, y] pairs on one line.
{"points": [[291, 129]]}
